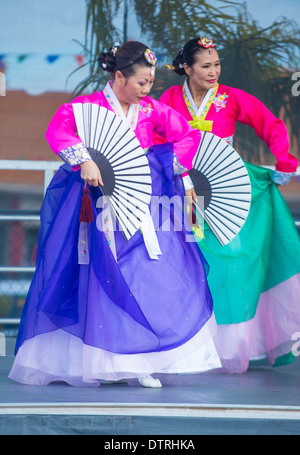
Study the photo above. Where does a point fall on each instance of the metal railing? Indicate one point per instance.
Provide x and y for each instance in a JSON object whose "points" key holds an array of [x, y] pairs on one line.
{"points": [[49, 168]]}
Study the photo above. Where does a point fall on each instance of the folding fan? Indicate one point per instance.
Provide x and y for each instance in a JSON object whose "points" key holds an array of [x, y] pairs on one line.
{"points": [[220, 176], [124, 167]]}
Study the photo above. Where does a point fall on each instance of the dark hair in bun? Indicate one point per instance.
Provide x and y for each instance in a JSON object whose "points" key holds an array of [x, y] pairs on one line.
{"points": [[186, 55], [107, 61], [124, 58]]}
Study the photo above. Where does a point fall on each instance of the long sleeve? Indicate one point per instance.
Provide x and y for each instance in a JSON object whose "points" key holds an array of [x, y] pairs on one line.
{"points": [[245, 108], [172, 98], [63, 139], [174, 128], [252, 112]]}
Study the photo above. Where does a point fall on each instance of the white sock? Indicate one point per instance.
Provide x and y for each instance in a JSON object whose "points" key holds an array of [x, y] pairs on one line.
{"points": [[149, 381]]}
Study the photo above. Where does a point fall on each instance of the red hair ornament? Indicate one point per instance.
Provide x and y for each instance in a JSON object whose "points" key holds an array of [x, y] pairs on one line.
{"points": [[207, 44]]}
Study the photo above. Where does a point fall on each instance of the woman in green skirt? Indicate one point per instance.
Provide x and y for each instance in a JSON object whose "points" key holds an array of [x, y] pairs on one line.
{"points": [[255, 279]]}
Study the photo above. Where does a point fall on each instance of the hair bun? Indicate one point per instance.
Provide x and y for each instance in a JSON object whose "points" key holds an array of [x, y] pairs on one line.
{"points": [[107, 61], [124, 58], [178, 63]]}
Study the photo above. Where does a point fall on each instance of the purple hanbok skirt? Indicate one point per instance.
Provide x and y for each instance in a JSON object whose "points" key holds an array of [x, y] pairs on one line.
{"points": [[114, 318]]}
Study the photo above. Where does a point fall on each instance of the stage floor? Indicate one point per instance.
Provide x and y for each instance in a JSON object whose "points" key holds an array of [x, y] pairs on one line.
{"points": [[264, 400]]}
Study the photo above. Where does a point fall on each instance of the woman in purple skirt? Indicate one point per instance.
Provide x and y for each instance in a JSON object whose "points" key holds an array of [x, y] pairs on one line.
{"points": [[130, 308]]}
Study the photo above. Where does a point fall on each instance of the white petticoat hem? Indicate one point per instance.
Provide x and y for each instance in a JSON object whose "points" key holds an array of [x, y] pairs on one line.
{"points": [[60, 356], [269, 334]]}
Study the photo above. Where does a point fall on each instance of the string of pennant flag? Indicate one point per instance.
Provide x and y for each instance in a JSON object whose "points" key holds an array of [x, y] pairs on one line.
{"points": [[50, 58]]}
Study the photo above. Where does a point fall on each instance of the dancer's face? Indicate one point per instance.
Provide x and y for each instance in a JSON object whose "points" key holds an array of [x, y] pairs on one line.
{"points": [[133, 89], [205, 72]]}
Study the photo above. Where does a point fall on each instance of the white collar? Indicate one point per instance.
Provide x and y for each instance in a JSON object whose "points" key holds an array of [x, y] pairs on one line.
{"points": [[111, 97], [197, 112]]}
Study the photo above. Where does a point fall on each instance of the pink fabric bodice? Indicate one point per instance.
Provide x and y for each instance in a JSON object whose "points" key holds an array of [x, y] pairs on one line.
{"points": [[233, 105], [151, 116]]}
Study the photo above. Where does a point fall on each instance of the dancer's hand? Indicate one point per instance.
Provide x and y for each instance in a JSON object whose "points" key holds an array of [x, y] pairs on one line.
{"points": [[191, 196], [90, 173]]}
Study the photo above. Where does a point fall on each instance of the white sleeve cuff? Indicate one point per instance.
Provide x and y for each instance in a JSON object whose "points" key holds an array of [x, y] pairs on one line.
{"points": [[188, 184]]}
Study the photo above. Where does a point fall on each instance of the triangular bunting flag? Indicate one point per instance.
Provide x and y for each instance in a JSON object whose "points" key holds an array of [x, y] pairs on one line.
{"points": [[52, 58], [79, 59], [23, 57]]}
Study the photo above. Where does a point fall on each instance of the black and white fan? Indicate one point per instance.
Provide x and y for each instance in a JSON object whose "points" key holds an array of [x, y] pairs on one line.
{"points": [[124, 167], [220, 176]]}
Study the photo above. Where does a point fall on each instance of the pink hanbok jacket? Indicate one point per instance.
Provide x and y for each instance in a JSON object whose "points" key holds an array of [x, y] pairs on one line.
{"points": [[223, 107], [144, 118]]}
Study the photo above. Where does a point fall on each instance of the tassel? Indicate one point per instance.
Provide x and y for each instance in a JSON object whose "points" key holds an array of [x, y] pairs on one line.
{"points": [[86, 211], [193, 221], [192, 218]]}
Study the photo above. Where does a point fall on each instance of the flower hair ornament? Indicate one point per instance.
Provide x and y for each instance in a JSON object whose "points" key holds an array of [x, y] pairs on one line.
{"points": [[150, 58], [115, 48], [206, 43]]}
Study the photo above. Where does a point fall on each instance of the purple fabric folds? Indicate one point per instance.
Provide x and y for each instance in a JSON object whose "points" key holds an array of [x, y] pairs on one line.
{"points": [[129, 306]]}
